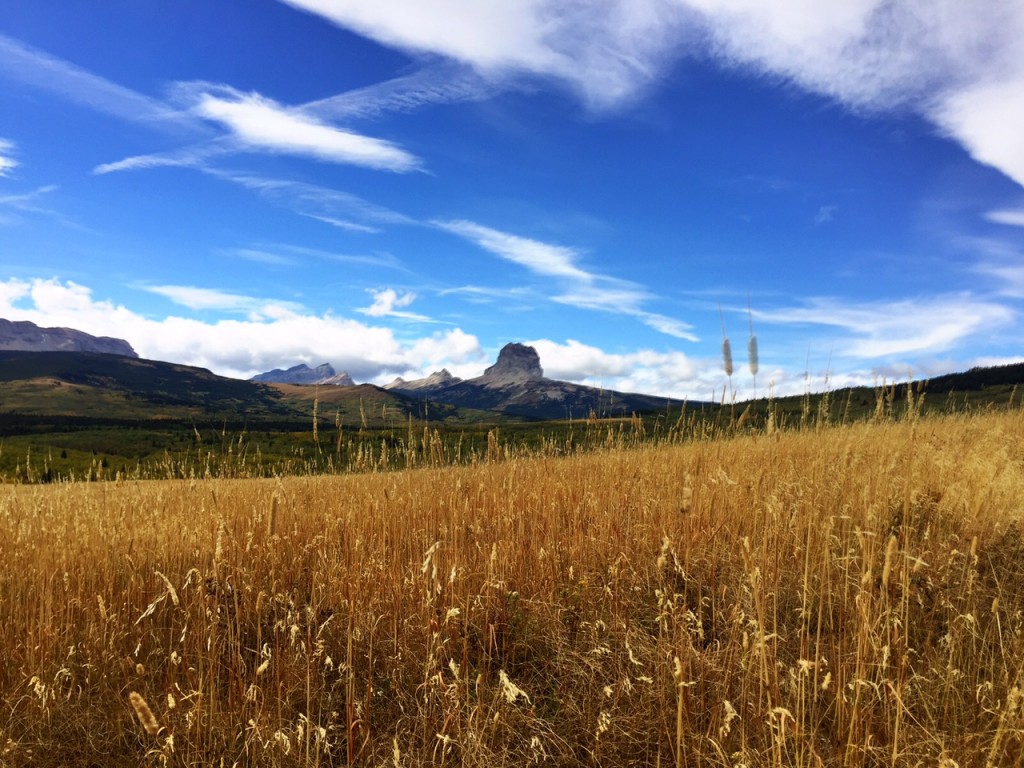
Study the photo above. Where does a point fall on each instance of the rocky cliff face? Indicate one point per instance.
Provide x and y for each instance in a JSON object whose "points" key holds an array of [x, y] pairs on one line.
{"points": [[323, 374], [23, 336], [516, 363]]}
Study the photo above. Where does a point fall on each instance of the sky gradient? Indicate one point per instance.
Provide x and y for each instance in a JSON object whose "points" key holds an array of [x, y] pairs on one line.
{"points": [[399, 187]]}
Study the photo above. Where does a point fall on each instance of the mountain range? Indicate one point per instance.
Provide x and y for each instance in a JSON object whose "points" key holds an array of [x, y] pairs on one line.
{"points": [[60, 372], [24, 336], [513, 388], [323, 374], [516, 386]]}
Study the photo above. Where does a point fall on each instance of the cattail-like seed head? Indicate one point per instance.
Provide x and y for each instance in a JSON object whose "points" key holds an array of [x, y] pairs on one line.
{"points": [[144, 713], [752, 354], [727, 357], [890, 554], [218, 549]]}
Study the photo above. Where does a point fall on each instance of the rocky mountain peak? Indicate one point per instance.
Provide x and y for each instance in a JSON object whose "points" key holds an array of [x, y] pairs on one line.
{"points": [[516, 362]]}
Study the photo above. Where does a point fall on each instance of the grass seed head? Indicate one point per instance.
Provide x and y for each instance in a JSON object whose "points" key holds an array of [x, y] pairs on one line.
{"points": [[144, 713], [727, 357]]}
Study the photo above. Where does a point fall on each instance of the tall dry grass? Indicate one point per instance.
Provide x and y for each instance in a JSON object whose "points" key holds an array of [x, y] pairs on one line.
{"points": [[841, 597]]}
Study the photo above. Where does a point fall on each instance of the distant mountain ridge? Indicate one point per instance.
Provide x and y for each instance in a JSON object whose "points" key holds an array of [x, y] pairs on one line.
{"points": [[24, 336], [324, 374], [437, 379], [516, 386]]}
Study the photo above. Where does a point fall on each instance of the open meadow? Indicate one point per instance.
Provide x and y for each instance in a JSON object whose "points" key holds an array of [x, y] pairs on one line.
{"points": [[842, 596]]}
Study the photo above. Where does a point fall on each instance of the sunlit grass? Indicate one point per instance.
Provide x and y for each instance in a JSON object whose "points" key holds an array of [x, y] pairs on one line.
{"points": [[843, 596]]}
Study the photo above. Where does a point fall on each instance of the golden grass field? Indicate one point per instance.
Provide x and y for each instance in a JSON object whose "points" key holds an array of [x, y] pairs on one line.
{"points": [[848, 596]]}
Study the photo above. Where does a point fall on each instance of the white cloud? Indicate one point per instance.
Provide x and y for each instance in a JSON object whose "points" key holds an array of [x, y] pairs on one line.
{"points": [[260, 256], [489, 34], [956, 64], [583, 289], [41, 70], [644, 371], [13, 291], [1009, 274], [825, 214], [390, 303], [523, 297], [7, 163], [349, 226], [186, 157], [988, 120], [281, 335], [667, 325], [286, 253], [25, 202], [876, 330], [314, 200], [606, 49], [260, 123], [208, 299], [540, 258], [1011, 218], [440, 83]]}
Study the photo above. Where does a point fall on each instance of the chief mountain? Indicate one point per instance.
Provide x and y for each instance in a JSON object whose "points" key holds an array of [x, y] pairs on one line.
{"points": [[516, 386]]}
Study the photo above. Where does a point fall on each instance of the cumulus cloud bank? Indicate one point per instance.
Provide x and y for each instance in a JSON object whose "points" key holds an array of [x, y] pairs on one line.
{"points": [[272, 334]]}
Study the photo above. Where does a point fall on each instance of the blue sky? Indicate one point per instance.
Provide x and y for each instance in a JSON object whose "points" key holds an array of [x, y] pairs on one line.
{"points": [[399, 187]]}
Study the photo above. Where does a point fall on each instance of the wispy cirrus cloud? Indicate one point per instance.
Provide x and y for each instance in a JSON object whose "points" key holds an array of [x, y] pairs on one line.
{"points": [[7, 161], [192, 156], [1008, 275], [39, 69], [349, 226], [27, 201], [883, 329], [378, 260], [31, 203], [253, 122], [209, 299], [538, 257], [263, 256], [1010, 217], [956, 64], [522, 297], [580, 288], [438, 83], [314, 200]]}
